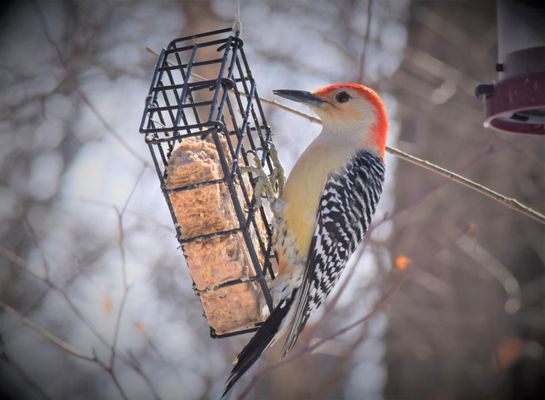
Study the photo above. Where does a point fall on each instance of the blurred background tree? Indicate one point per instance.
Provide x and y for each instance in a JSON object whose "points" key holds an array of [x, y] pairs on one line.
{"points": [[470, 325], [87, 248]]}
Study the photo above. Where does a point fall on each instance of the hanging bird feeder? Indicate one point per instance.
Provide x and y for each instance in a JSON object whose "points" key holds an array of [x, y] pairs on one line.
{"points": [[516, 102], [204, 124]]}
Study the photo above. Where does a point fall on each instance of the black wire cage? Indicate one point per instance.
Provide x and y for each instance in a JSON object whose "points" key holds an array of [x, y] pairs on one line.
{"points": [[203, 109]]}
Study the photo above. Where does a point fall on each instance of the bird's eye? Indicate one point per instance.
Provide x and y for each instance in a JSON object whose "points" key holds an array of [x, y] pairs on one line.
{"points": [[342, 97]]}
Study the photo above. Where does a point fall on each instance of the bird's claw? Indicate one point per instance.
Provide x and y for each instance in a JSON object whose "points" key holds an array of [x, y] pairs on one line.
{"points": [[269, 186]]}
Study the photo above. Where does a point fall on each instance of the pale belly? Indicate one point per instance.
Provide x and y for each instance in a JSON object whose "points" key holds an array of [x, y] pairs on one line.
{"points": [[298, 206]]}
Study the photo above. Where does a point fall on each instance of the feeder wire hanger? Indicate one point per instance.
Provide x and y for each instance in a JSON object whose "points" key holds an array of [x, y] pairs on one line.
{"points": [[237, 25]]}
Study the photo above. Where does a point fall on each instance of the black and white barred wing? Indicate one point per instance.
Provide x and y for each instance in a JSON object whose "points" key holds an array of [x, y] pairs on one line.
{"points": [[346, 206]]}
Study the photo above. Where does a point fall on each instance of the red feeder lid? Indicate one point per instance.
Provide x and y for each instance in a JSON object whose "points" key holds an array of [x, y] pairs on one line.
{"points": [[517, 102]]}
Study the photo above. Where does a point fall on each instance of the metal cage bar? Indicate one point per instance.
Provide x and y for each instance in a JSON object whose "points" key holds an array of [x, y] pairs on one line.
{"points": [[225, 106]]}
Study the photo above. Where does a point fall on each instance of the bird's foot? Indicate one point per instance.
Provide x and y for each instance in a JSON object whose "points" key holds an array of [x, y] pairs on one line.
{"points": [[263, 184]]}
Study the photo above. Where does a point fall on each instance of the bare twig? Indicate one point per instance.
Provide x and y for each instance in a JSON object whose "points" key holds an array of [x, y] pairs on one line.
{"points": [[475, 186], [496, 269], [20, 263], [113, 352], [45, 333], [109, 369], [434, 168], [366, 40], [27, 379], [36, 242], [309, 349], [133, 362], [126, 287], [450, 175], [332, 382], [80, 92], [379, 304]]}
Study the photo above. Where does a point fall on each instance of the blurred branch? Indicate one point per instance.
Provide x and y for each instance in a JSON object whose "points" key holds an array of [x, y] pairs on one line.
{"points": [[80, 92], [108, 367], [63, 345], [110, 370], [135, 365], [36, 242], [333, 381], [366, 40], [126, 287], [20, 263], [136, 213], [310, 348], [496, 269], [379, 304], [477, 187], [434, 168], [28, 380], [45, 333]]}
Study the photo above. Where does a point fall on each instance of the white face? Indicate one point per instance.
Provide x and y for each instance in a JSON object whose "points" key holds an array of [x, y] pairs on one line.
{"points": [[352, 115], [345, 111]]}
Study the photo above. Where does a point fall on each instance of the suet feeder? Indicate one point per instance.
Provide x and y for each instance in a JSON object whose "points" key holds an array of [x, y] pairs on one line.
{"points": [[203, 123], [516, 102]]}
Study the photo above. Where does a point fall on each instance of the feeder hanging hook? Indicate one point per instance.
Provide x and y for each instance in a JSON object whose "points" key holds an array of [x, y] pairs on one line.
{"points": [[237, 26]]}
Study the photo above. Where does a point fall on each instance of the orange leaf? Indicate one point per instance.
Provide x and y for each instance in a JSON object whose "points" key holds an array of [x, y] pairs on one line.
{"points": [[472, 229], [107, 304], [402, 262], [140, 328], [509, 351]]}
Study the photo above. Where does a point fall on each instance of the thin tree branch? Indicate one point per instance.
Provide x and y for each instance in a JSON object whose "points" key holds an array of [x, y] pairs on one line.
{"points": [[366, 40], [109, 369], [34, 238], [379, 304], [450, 175], [135, 364], [113, 352], [126, 287], [310, 348], [475, 186], [19, 262], [27, 379], [45, 333], [80, 92]]}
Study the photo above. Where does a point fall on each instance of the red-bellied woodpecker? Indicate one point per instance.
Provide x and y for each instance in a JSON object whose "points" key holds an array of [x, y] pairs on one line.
{"points": [[324, 210]]}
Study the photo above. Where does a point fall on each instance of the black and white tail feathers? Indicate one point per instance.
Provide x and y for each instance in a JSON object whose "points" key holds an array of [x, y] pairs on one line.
{"points": [[259, 343]]}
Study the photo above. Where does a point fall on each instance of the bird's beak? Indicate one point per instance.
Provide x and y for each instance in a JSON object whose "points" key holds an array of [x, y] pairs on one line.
{"points": [[300, 96]]}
